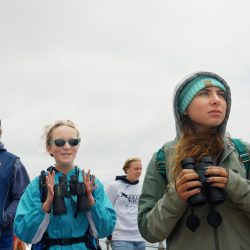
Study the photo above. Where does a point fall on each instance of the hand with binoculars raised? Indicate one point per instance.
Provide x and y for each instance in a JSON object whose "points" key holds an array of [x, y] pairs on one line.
{"points": [[55, 193], [89, 181], [187, 183], [50, 196], [217, 176]]}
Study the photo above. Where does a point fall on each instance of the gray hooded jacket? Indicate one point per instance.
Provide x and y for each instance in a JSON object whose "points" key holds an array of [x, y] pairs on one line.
{"points": [[162, 215]]}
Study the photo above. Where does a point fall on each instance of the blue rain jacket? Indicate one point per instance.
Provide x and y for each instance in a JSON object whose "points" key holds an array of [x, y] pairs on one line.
{"points": [[31, 221]]}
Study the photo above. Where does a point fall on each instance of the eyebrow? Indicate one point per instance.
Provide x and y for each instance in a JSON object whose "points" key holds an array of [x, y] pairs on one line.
{"points": [[209, 90]]}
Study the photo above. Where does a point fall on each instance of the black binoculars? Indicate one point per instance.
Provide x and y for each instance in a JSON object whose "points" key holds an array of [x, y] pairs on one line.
{"points": [[78, 188], [212, 195], [61, 191]]}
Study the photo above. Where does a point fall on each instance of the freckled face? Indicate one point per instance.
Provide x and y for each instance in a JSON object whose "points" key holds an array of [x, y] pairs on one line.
{"points": [[64, 156], [207, 109]]}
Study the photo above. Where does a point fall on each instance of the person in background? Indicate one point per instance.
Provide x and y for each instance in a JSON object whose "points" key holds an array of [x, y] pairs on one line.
{"points": [[124, 194], [71, 207], [201, 197], [13, 181]]}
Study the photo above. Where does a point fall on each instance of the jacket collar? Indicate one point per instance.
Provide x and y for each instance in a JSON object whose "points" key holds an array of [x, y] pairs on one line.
{"points": [[124, 179]]}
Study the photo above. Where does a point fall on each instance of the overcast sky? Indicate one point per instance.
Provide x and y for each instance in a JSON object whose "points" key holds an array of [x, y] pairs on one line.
{"points": [[111, 67]]}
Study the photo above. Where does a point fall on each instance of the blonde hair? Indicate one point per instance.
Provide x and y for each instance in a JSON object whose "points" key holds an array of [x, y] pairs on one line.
{"points": [[128, 162], [48, 130]]}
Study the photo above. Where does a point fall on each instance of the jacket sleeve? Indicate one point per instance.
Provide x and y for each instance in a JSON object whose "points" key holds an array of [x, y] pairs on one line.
{"points": [[238, 188], [19, 182], [102, 212], [31, 220], [160, 208]]}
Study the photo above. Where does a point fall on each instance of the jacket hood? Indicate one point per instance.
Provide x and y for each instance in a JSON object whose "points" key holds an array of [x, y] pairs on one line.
{"points": [[183, 83], [124, 179]]}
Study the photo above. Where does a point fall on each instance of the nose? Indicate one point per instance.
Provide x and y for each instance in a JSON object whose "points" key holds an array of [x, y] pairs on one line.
{"points": [[66, 145], [215, 99]]}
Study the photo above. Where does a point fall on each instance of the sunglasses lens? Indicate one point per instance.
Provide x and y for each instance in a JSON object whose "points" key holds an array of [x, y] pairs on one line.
{"points": [[73, 142], [59, 142]]}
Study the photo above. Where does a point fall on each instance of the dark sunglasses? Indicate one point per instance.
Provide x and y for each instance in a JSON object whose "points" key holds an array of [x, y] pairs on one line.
{"points": [[62, 142]]}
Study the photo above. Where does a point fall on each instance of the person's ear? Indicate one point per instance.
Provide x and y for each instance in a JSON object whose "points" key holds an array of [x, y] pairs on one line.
{"points": [[48, 148]]}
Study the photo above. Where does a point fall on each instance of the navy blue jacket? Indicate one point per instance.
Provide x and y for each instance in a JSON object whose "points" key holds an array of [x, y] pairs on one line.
{"points": [[13, 181]]}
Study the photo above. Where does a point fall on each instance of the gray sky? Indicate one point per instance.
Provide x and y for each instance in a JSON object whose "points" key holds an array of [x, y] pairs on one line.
{"points": [[111, 67]]}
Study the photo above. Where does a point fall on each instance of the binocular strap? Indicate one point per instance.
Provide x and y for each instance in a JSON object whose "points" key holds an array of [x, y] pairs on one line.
{"points": [[192, 221]]}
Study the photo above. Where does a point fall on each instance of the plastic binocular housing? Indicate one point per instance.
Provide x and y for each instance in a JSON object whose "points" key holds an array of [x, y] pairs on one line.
{"points": [[60, 191], [199, 199], [78, 188], [212, 195]]}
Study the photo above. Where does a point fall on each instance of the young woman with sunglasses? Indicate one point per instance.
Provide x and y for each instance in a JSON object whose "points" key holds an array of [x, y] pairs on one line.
{"points": [[198, 205], [60, 218]]}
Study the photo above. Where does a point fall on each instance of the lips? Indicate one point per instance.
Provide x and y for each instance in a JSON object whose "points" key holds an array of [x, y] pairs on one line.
{"points": [[66, 154], [215, 111]]}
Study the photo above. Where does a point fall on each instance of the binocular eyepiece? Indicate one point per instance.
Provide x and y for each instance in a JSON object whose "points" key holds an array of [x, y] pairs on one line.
{"points": [[61, 191], [212, 195]]}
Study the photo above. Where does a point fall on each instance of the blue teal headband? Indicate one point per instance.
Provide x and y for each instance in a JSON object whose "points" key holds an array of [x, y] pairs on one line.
{"points": [[193, 87]]}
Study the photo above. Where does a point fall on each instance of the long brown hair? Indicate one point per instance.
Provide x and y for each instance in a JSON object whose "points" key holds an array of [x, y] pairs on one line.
{"points": [[195, 145]]}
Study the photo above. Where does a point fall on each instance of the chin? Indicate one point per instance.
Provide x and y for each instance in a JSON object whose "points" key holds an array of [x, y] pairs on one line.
{"points": [[215, 124], [66, 164]]}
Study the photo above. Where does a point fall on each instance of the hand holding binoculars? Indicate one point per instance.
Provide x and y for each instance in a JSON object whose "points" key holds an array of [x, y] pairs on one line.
{"points": [[212, 195], [75, 188]]}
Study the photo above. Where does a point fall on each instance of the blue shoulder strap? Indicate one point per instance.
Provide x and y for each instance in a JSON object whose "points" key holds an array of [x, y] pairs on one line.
{"points": [[243, 153]]}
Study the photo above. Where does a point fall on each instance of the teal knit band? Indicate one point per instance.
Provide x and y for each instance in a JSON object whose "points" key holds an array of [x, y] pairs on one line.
{"points": [[193, 87]]}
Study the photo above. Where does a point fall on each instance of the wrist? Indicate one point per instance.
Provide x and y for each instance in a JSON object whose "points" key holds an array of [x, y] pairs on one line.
{"points": [[46, 206], [91, 200]]}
